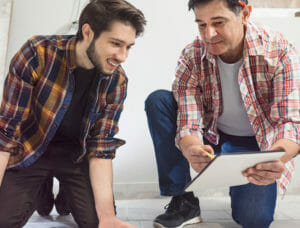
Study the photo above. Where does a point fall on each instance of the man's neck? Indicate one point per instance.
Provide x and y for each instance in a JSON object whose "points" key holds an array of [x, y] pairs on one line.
{"points": [[82, 59]]}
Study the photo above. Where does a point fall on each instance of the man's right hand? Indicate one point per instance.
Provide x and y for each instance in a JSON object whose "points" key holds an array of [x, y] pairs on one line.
{"points": [[4, 156], [114, 223], [197, 156]]}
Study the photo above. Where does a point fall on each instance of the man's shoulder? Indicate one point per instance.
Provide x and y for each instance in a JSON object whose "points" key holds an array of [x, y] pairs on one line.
{"points": [[266, 36], [51, 41]]}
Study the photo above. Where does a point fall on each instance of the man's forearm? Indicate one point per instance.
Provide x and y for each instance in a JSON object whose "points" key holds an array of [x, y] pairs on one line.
{"points": [[101, 181], [291, 149], [4, 156]]}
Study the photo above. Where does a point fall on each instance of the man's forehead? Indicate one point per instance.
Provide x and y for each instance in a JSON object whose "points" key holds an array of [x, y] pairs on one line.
{"points": [[218, 14], [219, 7], [120, 32], [212, 18]]}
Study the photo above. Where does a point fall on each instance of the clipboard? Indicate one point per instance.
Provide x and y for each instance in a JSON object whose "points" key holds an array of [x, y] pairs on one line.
{"points": [[225, 170]]}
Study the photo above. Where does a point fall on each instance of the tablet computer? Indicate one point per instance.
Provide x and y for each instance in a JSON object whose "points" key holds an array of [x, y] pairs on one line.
{"points": [[226, 169]]}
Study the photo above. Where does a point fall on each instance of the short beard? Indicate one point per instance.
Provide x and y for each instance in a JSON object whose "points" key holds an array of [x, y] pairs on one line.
{"points": [[91, 54]]}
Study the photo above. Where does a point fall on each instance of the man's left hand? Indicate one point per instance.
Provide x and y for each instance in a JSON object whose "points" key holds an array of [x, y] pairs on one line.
{"points": [[268, 172], [265, 173]]}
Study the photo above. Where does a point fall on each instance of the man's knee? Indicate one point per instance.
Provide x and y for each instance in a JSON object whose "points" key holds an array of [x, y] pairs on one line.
{"points": [[8, 221], [156, 98], [5, 223]]}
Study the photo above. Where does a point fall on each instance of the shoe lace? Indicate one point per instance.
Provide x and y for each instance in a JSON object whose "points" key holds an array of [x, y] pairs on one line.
{"points": [[174, 205]]}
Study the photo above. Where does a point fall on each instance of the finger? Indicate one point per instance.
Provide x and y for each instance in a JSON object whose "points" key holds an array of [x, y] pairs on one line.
{"points": [[198, 167], [267, 174], [202, 150], [276, 166], [199, 159], [263, 180], [209, 149], [267, 178], [252, 180], [257, 180], [262, 173]]}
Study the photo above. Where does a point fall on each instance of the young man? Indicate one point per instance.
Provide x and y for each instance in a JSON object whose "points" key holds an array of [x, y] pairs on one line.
{"points": [[62, 100], [236, 89]]}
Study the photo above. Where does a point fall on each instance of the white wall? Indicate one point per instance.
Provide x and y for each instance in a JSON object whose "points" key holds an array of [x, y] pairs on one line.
{"points": [[150, 66]]}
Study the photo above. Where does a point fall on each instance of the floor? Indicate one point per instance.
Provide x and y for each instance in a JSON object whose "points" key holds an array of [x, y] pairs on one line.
{"points": [[215, 214]]}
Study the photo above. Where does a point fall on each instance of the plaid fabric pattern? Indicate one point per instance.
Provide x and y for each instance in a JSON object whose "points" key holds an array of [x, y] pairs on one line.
{"points": [[37, 92], [269, 81]]}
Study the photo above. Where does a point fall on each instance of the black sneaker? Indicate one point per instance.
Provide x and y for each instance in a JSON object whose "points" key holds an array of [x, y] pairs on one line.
{"points": [[181, 211], [61, 203], [45, 198]]}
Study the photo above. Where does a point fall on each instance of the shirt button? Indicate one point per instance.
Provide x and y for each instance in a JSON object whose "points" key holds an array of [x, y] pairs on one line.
{"points": [[65, 107], [46, 141], [54, 125], [36, 155]]}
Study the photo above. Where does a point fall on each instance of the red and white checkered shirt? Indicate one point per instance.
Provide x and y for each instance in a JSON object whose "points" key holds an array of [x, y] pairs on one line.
{"points": [[269, 81]]}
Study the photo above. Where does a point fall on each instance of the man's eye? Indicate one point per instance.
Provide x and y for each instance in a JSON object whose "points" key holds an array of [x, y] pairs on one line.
{"points": [[218, 23], [201, 25], [116, 44]]}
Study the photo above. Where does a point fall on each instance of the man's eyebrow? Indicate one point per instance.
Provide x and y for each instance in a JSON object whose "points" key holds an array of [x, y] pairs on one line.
{"points": [[213, 18], [121, 41]]}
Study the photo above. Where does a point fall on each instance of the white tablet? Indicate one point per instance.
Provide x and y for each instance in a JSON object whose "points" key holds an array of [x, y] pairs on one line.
{"points": [[226, 169]]}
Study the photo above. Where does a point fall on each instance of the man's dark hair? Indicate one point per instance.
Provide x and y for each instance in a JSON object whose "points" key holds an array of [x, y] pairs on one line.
{"points": [[100, 14], [233, 5]]}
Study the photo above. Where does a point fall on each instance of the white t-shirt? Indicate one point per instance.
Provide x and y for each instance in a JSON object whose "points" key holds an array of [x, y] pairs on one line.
{"points": [[234, 119]]}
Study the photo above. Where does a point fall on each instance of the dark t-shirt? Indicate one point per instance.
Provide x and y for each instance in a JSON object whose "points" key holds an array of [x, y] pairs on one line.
{"points": [[69, 130]]}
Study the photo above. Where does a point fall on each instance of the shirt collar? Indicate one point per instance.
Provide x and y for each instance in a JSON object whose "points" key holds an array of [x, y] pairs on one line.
{"points": [[253, 44], [71, 54]]}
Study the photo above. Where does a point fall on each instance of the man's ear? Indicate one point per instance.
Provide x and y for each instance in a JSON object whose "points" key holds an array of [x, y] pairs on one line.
{"points": [[87, 32], [246, 12]]}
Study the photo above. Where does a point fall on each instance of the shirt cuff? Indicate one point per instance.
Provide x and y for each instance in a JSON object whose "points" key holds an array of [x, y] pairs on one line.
{"points": [[103, 147]]}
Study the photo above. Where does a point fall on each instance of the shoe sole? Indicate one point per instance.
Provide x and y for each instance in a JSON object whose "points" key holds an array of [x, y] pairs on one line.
{"points": [[188, 222]]}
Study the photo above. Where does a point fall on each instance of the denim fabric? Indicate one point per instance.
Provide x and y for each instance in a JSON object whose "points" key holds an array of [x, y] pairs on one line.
{"points": [[252, 205]]}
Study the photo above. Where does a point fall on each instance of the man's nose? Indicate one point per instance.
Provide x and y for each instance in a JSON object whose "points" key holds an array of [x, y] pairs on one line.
{"points": [[122, 54], [210, 32]]}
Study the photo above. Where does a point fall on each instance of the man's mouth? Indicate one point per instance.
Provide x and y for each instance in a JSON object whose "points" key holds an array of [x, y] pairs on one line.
{"points": [[115, 64], [214, 42]]}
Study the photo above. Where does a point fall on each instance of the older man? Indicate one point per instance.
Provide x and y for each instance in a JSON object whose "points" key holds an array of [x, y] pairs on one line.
{"points": [[236, 89]]}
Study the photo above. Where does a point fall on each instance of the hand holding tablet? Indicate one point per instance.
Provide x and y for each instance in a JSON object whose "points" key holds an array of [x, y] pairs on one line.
{"points": [[227, 169]]}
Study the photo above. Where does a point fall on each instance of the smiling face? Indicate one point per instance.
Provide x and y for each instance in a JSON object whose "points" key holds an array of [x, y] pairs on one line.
{"points": [[221, 29], [111, 47]]}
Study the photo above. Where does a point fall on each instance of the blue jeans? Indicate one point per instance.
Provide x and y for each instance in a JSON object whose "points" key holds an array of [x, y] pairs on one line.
{"points": [[252, 205]]}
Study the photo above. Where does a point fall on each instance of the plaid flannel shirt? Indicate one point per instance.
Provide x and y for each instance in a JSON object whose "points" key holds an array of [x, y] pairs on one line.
{"points": [[37, 92], [269, 81]]}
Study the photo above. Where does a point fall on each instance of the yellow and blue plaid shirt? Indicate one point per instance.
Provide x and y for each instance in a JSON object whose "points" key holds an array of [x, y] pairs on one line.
{"points": [[37, 92]]}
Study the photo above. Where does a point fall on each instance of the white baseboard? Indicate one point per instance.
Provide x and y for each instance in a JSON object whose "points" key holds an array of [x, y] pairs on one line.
{"points": [[150, 190]]}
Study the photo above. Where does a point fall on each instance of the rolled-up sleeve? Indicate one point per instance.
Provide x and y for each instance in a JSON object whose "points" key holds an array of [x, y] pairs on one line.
{"points": [[187, 93], [102, 142], [285, 111]]}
